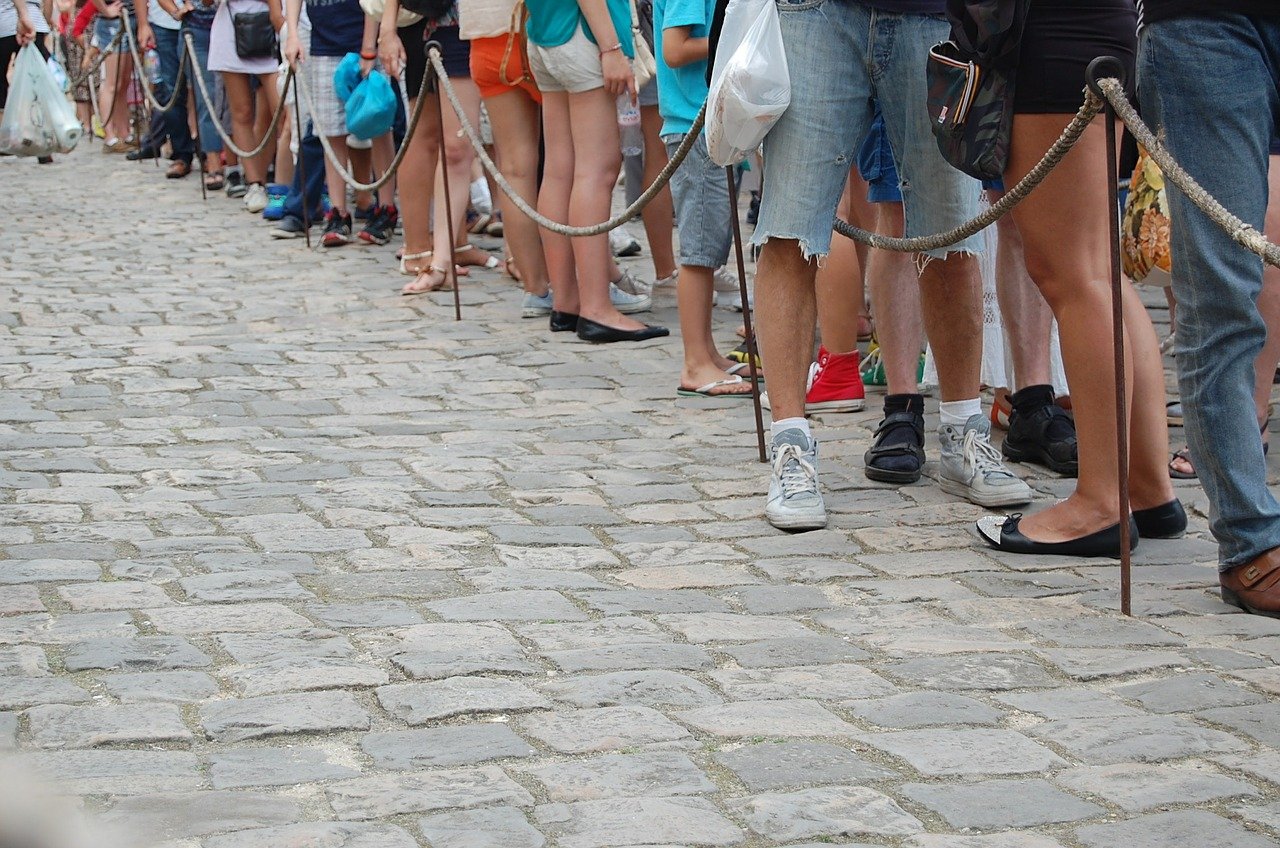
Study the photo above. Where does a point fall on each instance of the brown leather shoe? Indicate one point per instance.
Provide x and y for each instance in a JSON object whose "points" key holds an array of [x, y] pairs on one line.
{"points": [[1254, 586]]}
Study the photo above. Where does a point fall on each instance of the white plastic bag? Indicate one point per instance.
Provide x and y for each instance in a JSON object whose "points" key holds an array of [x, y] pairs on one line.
{"points": [[750, 82], [38, 119]]}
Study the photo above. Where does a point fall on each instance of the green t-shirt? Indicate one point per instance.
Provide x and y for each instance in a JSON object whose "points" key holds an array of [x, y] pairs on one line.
{"points": [[553, 22]]}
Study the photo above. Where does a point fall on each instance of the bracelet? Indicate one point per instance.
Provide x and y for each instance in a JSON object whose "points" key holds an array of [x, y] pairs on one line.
{"points": [[371, 55], [617, 46]]}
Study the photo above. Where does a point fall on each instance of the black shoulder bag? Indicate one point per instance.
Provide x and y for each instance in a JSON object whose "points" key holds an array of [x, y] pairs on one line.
{"points": [[255, 36], [971, 84]]}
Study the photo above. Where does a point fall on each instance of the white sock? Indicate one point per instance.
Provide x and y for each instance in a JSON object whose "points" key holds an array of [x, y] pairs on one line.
{"points": [[801, 424], [959, 411]]}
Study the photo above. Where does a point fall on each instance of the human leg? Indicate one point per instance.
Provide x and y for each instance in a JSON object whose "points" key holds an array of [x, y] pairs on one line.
{"points": [[417, 178], [553, 202], [513, 116], [658, 215], [169, 48]]}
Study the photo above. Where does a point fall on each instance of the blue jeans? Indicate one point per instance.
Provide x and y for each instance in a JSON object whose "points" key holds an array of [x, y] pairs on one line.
{"points": [[170, 48], [1209, 84], [841, 54], [210, 141], [310, 160]]}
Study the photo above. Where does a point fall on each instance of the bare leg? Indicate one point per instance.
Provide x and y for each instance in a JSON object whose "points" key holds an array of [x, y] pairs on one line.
{"points": [[786, 306], [457, 158], [596, 160], [240, 102], [416, 183], [284, 155], [702, 362], [840, 283], [1269, 306], [1027, 317], [384, 150], [1069, 266], [658, 215], [553, 199], [513, 116], [332, 179], [951, 301], [361, 159], [895, 297]]}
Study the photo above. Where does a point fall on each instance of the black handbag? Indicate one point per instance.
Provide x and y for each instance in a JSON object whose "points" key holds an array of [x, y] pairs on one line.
{"points": [[432, 10], [255, 35]]}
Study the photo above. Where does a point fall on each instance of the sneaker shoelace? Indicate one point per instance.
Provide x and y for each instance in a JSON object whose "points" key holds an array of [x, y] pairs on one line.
{"points": [[796, 475], [979, 451]]}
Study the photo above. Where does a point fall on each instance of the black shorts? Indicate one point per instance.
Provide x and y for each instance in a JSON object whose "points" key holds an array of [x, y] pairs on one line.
{"points": [[456, 53], [1060, 40], [8, 49], [415, 58]]}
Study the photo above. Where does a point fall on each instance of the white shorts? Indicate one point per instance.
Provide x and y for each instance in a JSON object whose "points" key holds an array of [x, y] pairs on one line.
{"points": [[573, 66]]}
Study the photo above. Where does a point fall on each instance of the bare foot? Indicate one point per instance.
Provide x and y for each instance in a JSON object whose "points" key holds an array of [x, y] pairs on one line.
{"points": [[691, 379], [1067, 520], [428, 280]]}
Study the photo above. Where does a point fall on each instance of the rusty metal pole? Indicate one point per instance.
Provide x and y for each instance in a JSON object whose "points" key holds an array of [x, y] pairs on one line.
{"points": [[746, 313]]}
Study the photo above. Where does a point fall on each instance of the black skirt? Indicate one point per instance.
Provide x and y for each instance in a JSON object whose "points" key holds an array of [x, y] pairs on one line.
{"points": [[1060, 40]]}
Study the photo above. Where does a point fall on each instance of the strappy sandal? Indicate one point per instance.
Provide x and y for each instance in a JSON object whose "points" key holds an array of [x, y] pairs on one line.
{"points": [[430, 272], [879, 450], [214, 180], [489, 262], [512, 271], [1185, 455], [410, 257]]}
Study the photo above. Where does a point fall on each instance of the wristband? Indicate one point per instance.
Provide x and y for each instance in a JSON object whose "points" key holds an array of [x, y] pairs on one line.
{"points": [[617, 46], [370, 56]]}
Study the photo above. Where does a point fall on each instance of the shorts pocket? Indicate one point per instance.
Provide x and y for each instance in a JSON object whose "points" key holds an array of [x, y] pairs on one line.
{"points": [[798, 5]]}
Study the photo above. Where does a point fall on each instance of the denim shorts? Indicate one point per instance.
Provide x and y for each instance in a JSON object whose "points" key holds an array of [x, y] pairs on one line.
{"points": [[105, 29], [842, 56], [875, 164], [701, 194]]}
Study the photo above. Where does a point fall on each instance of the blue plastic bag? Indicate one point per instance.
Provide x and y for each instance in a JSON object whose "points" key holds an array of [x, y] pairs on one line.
{"points": [[347, 76], [371, 109]]}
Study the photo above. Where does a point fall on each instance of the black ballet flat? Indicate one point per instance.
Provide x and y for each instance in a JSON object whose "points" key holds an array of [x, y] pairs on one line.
{"points": [[592, 331], [1167, 521], [563, 322], [1006, 537]]}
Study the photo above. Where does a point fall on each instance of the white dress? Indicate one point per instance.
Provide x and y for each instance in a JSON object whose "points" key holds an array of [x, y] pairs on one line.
{"points": [[222, 41]]}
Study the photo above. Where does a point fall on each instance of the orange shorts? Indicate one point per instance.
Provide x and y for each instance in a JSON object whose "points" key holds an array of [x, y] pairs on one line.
{"points": [[486, 66]]}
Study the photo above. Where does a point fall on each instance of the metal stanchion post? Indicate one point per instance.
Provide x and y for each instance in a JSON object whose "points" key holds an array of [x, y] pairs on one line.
{"points": [[752, 350], [433, 86], [1108, 66]]}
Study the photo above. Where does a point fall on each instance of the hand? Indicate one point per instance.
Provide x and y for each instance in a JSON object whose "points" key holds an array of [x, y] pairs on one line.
{"points": [[366, 65], [26, 31], [618, 76], [293, 49], [112, 10], [146, 38], [391, 52]]}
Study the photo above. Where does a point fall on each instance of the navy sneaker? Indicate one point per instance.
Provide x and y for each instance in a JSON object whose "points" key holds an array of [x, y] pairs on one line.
{"points": [[337, 229]]}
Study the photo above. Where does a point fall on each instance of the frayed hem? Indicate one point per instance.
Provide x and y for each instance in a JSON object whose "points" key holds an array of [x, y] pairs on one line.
{"points": [[806, 246], [923, 259]]}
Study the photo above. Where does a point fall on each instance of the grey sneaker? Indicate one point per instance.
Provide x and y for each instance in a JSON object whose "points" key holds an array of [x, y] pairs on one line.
{"points": [[631, 285], [795, 503], [629, 303], [535, 306], [622, 243], [971, 468]]}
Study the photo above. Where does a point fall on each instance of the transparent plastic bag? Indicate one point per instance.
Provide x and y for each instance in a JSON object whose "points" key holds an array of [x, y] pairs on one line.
{"points": [[750, 83], [38, 119]]}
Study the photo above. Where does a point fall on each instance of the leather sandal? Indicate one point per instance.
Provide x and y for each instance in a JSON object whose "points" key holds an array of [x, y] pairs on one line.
{"points": [[1255, 586], [897, 472], [178, 170]]}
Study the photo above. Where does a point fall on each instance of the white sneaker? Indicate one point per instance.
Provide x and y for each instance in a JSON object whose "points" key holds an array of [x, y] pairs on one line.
{"points": [[629, 303], [971, 468], [622, 243], [724, 281], [630, 284], [535, 306], [255, 199], [671, 280], [794, 501]]}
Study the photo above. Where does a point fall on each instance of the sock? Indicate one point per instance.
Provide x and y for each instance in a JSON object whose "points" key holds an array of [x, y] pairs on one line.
{"points": [[801, 424], [904, 403], [1030, 398], [958, 412]]}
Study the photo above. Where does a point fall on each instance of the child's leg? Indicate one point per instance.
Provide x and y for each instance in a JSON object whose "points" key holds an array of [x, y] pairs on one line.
{"points": [[553, 199], [384, 151], [332, 179], [362, 169], [702, 362]]}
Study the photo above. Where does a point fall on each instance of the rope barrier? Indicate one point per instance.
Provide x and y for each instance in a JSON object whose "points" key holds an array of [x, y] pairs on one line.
{"points": [[89, 72], [305, 101], [267, 137], [628, 214], [144, 84]]}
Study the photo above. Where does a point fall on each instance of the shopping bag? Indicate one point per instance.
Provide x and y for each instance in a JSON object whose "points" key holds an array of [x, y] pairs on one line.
{"points": [[59, 74], [371, 108], [38, 119], [750, 83], [346, 76]]}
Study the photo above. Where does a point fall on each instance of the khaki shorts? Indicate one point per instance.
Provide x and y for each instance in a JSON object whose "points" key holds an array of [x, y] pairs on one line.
{"points": [[573, 66]]}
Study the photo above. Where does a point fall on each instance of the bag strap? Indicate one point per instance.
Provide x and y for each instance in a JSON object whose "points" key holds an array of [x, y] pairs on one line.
{"points": [[515, 34], [636, 35]]}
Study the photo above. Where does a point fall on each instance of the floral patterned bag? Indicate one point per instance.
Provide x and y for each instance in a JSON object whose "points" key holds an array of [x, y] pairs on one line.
{"points": [[1144, 232]]}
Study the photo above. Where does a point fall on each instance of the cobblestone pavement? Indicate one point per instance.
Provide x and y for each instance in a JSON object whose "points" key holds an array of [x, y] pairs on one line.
{"points": [[290, 560]]}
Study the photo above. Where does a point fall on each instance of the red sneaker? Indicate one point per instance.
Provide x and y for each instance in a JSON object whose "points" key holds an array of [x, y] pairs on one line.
{"points": [[835, 384]]}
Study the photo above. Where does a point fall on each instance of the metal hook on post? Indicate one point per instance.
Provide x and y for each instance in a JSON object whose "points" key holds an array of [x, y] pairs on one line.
{"points": [[1101, 68], [433, 87], [746, 312]]}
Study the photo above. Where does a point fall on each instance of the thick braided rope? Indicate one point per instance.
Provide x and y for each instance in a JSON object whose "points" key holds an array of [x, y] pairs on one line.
{"points": [[144, 83], [621, 218], [1059, 149], [1244, 234], [88, 74], [304, 101], [267, 137]]}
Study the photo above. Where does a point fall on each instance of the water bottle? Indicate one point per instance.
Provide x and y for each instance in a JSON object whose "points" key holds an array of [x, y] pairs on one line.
{"points": [[152, 62], [629, 126]]}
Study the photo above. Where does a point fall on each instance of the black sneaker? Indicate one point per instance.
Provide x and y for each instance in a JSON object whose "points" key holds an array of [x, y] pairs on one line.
{"points": [[1041, 432], [381, 226], [366, 213], [753, 208], [236, 186], [337, 229], [288, 227]]}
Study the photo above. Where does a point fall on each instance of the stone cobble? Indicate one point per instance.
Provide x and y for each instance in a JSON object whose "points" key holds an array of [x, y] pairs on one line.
{"points": [[289, 559]]}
